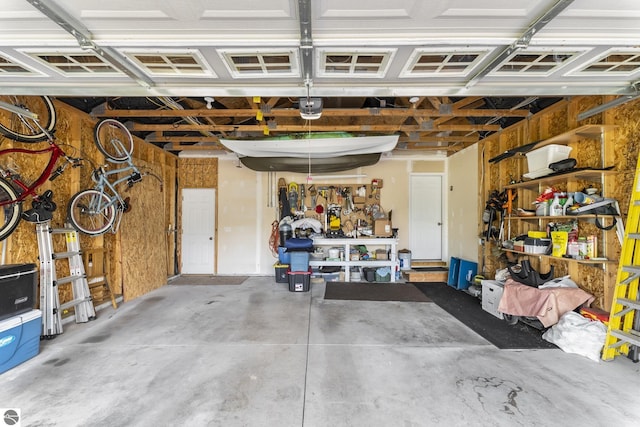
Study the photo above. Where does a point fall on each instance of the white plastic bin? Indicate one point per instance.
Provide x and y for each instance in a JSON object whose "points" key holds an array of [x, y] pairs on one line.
{"points": [[542, 157]]}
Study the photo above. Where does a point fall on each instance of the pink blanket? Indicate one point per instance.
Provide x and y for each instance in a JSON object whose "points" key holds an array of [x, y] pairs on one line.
{"points": [[548, 305]]}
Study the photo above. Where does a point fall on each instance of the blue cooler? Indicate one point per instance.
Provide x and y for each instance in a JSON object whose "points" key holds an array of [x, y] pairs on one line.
{"points": [[19, 339]]}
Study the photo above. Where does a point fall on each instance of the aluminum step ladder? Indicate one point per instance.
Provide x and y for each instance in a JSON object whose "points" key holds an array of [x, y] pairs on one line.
{"points": [[623, 332], [49, 282]]}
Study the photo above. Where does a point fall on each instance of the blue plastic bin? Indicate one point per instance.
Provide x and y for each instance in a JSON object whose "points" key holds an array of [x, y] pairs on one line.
{"points": [[454, 269], [283, 256], [299, 261], [467, 273]]}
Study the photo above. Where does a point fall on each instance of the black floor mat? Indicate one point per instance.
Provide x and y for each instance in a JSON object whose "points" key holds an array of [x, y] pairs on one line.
{"points": [[468, 309], [374, 292]]}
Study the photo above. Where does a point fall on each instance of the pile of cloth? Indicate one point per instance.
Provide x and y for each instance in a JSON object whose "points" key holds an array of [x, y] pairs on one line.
{"points": [[547, 302]]}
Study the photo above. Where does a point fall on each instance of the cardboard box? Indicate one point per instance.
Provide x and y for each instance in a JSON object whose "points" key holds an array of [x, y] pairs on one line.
{"points": [[382, 228], [381, 254]]}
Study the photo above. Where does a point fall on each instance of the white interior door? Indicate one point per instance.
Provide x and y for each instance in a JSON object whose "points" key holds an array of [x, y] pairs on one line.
{"points": [[425, 222], [198, 230]]}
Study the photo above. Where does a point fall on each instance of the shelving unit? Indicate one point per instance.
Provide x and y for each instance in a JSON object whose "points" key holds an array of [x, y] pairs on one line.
{"points": [[528, 190], [569, 260], [390, 245]]}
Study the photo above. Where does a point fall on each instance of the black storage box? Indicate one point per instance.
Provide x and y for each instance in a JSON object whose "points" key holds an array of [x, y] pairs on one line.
{"points": [[17, 289], [299, 281], [281, 273], [369, 274]]}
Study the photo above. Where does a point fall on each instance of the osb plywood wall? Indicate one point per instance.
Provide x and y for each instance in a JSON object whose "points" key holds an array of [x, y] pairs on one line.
{"points": [[618, 148], [138, 255], [198, 172]]}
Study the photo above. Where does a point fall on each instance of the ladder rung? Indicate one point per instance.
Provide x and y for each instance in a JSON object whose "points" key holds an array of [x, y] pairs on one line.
{"points": [[62, 255], [635, 273], [634, 236], [631, 337], [631, 269], [73, 303], [635, 305], [69, 279], [62, 230]]}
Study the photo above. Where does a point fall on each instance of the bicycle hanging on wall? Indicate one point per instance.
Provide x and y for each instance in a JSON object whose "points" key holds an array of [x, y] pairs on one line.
{"points": [[98, 210], [28, 120]]}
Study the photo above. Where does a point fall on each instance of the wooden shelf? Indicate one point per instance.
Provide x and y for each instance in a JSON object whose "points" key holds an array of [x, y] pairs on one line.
{"points": [[547, 217], [585, 174], [586, 131], [570, 260]]}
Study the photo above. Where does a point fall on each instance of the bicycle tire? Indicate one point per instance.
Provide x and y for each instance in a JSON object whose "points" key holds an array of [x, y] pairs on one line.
{"points": [[87, 220], [107, 133], [18, 128], [10, 213]]}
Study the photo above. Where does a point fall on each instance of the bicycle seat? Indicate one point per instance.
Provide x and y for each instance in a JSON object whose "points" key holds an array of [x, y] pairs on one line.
{"points": [[37, 215]]}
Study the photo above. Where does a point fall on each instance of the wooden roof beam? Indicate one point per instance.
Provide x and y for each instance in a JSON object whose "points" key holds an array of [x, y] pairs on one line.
{"points": [[327, 112], [312, 128]]}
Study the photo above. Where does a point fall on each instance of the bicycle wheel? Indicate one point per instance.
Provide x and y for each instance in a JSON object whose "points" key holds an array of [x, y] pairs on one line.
{"points": [[113, 140], [25, 129], [90, 212], [9, 213]]}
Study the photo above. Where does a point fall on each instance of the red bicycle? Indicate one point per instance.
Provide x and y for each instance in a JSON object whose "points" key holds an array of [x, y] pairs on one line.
{"points": [[21, 121]]}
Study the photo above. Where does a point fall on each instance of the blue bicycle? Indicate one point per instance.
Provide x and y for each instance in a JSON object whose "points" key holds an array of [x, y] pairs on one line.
{"points": [[98, 210]]}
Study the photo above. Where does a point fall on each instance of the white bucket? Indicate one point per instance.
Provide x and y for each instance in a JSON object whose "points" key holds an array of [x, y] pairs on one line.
{"points": [[404, 256], [334, 253]]}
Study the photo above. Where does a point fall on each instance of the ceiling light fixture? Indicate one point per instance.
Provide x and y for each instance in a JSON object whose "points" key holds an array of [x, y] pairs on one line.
{"points": [[210, 101], [414, 99]]}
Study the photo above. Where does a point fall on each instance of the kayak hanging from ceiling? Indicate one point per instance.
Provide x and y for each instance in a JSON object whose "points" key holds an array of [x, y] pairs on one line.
{"points": [[316, 145], [301, 165]]}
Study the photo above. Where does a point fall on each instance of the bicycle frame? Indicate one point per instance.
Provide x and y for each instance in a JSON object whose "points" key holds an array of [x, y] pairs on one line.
{"points": [[24, 189], [108, 188]]}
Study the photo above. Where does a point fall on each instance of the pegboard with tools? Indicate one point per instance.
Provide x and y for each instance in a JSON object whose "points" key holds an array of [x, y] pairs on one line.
{"points": [[343, 210]]}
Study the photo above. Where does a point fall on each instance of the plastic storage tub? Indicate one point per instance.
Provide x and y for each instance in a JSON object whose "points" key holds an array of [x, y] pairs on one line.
{"points": [[542, 157], [467, 273], [281, 273], [299, 261], [299, 281], [454, 270], [491, 295]]}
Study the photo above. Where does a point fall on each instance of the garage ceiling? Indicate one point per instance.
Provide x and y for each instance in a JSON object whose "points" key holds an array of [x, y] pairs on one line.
{"points": [[441, 74]]}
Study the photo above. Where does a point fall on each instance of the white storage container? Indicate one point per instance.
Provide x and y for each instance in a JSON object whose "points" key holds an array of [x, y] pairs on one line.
{"points": [[491, 294], [542, 157]]}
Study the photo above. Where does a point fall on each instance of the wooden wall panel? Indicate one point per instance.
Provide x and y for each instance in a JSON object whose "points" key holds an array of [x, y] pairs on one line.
{"points": [[618, 148], [198, 172], [142, 232]]}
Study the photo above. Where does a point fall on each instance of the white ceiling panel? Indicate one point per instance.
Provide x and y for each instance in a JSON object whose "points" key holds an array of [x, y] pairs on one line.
{"points": [[590, 32]]}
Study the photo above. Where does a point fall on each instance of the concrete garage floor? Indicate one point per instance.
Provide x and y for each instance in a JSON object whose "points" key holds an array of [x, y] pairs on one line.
{"points": [[258, 355]]}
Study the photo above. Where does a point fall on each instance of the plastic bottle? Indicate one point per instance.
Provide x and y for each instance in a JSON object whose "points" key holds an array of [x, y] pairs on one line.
{"points": [[567, 204], [556, 207]]}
